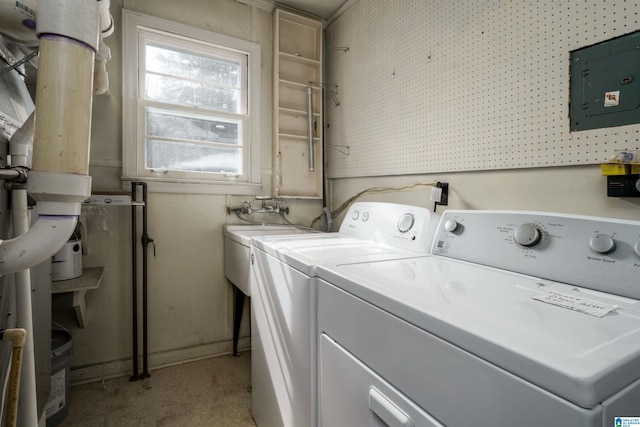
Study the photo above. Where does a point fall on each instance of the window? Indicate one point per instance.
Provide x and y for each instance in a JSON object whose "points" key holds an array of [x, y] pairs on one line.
{"points": [[190, 111]]}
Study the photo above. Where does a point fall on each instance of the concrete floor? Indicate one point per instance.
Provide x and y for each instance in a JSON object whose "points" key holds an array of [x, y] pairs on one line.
{"points": [[209, 393]]}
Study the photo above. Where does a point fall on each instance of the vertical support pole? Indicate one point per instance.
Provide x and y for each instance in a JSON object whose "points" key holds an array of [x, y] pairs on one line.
{"points": [[134, 282], [145, 246], [312, 162]]}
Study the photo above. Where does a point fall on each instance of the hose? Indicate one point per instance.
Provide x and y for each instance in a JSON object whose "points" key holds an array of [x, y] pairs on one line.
{"points": [[373, 190]]}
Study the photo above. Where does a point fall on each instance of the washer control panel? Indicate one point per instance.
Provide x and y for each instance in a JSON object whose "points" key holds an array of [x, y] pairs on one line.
{"points": [[402, 226], [592, 252]]}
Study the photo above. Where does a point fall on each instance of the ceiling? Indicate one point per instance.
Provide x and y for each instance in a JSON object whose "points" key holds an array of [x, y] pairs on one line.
{"points": [[322, 8]]}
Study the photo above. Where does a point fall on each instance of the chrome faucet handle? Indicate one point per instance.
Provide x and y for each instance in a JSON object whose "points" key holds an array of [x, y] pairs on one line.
{"points": [[246, 205], [281, 206]]}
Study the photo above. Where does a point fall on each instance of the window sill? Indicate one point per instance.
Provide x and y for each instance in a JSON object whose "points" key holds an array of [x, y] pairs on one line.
{"points": [[155, 185]]}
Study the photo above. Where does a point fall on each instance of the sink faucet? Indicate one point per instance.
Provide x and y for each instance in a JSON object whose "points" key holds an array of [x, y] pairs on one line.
{"points": [[246, 208]]}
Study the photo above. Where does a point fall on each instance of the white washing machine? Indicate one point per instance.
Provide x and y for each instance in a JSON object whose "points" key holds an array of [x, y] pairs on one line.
{"points": [[283, 276], [517, 318]]}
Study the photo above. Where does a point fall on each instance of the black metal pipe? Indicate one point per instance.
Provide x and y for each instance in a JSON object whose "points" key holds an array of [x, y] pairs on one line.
{"points": [[134, 282], [145, 246]]}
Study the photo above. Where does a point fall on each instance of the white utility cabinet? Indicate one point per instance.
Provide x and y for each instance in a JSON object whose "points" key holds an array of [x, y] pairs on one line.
{"points": [[298, 105]]}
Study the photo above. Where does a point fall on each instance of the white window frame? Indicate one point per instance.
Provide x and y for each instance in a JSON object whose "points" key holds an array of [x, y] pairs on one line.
{"points": [[136, 28]]}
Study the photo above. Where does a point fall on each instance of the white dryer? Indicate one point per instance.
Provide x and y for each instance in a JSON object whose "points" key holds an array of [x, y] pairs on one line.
{"points": [[283, 277], [518, 318]]}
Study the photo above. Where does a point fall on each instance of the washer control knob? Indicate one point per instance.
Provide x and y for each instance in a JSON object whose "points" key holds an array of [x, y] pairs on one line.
{"points": [[355, 215], [450, 225], [405, 222], [527, 235], [636, 248], [602, 243]]}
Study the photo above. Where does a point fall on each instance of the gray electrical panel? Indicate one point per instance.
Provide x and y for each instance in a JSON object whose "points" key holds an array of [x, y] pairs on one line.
{"points": [[605, 84]]}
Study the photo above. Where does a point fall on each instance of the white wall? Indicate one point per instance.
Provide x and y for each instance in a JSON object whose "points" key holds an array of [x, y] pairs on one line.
{"points": [[479, 88], [190, 301]]}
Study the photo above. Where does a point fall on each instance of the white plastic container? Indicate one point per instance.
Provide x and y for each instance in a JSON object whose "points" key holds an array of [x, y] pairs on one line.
{"points": [[67, 262]]}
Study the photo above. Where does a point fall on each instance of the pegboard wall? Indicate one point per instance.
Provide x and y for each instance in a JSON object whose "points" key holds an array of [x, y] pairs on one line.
{"points": [[455, 85]]}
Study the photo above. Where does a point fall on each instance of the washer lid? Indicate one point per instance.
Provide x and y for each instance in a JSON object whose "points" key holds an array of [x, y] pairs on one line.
{"points": [[305, 252], [491, 313]]}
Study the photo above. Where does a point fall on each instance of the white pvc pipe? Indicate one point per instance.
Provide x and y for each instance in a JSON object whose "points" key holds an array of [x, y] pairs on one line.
{"points": [[21, 143], [68, 35], [106, 20], [46, 237], [28, 414], [59, 182], [103, 55], [64, 99]]}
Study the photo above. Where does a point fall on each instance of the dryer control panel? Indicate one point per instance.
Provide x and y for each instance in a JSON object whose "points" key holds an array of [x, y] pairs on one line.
{"points": [[592, 252]]}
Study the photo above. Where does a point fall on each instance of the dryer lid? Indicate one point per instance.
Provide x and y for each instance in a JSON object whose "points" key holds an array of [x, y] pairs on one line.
{"points": [[491, 313]]}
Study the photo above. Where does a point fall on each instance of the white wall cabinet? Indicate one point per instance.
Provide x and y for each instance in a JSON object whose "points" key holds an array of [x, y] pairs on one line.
{"points": [[297, 141]]}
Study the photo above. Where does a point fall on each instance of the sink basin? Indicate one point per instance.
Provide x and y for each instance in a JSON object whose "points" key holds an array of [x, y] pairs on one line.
{"points": [[237, 241]]}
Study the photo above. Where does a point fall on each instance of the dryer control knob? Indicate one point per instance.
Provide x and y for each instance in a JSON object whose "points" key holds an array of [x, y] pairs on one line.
{"points": [[602, 243], [405, 222], [636, 248], [450, 225], [527, 235]]}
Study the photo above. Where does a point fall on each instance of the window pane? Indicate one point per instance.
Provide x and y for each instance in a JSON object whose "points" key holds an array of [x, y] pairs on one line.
{"points": [[169, 125], [179, 63], [168, 155], [184, 92]]}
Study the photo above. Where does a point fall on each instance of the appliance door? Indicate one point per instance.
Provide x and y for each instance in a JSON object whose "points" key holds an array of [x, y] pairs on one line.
{"points": [[282, 344], [354, 395], [457, 388]]}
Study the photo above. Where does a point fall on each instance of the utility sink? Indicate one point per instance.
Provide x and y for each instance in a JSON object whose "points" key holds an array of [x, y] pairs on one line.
{"points": [[237, 241]]}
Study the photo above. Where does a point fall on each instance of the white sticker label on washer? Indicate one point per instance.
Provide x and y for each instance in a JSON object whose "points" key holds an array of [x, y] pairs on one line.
{"points": [[571, 302]]}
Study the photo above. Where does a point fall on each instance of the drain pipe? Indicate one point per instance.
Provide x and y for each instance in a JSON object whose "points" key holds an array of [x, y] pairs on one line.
{"points": [[59, 181], [28, 408]]}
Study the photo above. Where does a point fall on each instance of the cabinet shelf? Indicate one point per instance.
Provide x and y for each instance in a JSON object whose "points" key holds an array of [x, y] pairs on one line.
{"points": [[297, 137], [298, 55], [296, 84], [90, 279], [297, 58], [297, 112]]}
